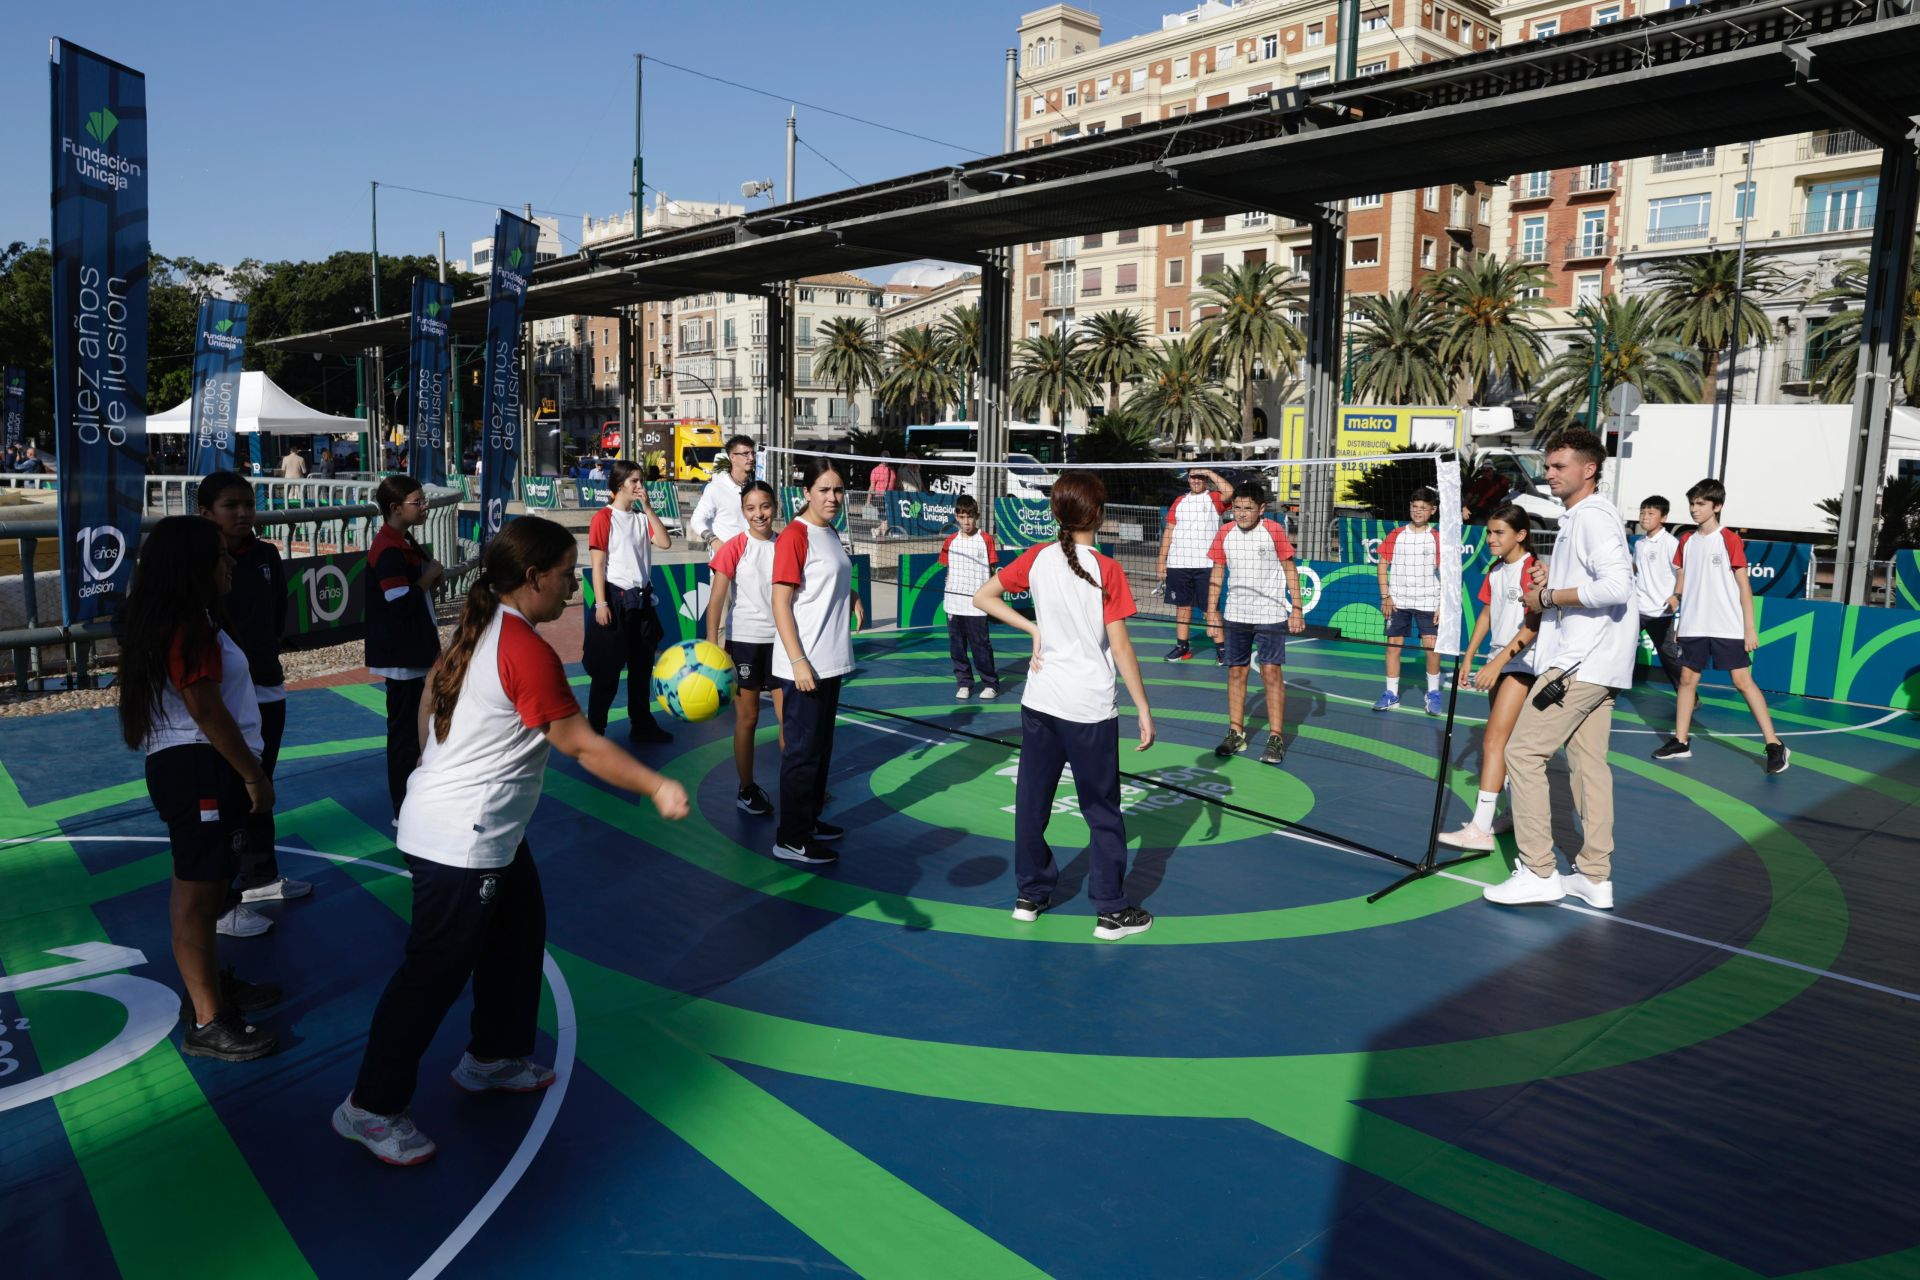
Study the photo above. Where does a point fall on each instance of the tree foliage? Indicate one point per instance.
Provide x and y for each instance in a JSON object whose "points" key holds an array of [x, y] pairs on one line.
{"points": [[1179, 396], [1396, 350], [1049, 373], [1636, 348], [1697, 292], [1252, 325], [1836, 348], [1487, 309]]}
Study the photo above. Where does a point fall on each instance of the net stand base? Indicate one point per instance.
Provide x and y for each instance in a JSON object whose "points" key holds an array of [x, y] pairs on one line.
{"points": [[1428, 865]]}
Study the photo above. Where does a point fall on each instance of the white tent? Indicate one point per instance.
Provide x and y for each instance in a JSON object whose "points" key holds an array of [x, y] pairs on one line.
{"points": [[263, 407]]}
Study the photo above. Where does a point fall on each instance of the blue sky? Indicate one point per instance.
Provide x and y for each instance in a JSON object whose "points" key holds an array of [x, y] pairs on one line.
{"points": [[269, 120]]}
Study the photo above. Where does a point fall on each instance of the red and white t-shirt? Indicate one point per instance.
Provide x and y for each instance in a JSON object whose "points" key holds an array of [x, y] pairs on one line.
{"points": [[969, 562], [469, 801], [1412, 557], [1256, 576], [196, 654], [1192, 521], [1710, 594], [1076, 675], [1501, 592], [627, 538], [749, 562], [809, 558]]}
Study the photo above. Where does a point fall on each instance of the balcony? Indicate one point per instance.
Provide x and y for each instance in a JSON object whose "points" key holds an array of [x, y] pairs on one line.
{"points": [[1684, 231], [1675, 161], [1532, 251], [696, 346], [1797, 377], [1255, 221], [1524, 187], [1588, 248], [1058, 249], [1827, 143], [1593, 179], [1832, 222], [1126, 288]]}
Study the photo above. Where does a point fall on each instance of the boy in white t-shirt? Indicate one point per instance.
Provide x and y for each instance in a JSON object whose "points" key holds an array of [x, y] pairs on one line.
{"points": [[1410, 595], [1192, 520], [969, 556], [1253, 559], [1715, 600], [1653, 581]]}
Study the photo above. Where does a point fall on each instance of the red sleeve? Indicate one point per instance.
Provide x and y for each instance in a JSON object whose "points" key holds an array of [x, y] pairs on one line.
{"points": [[1386, 545], [1219, 503], [1018, 576], [790, 555], [949, 542], [986, 540], [193, 656], [1170, 513], [1218, 551], [1282, 545], [1113, 584], [1736, 550], [1680, 551], [600, 530], [1486, 589], [727, 559], [390, 569], [532, 676]]}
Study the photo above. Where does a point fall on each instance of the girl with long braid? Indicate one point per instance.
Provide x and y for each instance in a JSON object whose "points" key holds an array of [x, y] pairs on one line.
{"points": [[1068, 714], [498, 700]]}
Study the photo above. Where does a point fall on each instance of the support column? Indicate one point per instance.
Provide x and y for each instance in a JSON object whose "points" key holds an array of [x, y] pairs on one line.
{"points": [[629, 385], [779, 349], [996, 358], [1890, 261], [1326, 302]]}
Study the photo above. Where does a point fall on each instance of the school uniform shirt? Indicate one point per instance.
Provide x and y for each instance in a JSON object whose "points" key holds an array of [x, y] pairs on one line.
{"points": [[749, 562], [1501, 592], [1653, 576], [969, 562], [195, 654], [257, 613], [810, 559], [403, 637], [1256, 577], [1193, 519], [1412, 557], [1602, 632], [627, 538], [469, 801], [1076, 675], [718, 511], [1711, 605]]}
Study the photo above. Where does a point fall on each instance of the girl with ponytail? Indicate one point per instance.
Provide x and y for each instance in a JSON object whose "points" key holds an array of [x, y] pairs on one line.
{"points": [[403, 636], [1068, 714], [499, 700]]}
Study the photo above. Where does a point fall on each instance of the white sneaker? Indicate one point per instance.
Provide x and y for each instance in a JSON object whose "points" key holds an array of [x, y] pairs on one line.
{"points": [[393, 1139], [1525, 889], [989, 693], [1468, 837], [243, 922], [275, 890], [962, 693], [1595, 893], [1503, 823], [506, 1075]]}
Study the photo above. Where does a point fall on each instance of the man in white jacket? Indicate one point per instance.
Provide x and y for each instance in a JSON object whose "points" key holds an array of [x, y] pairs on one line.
{"points": [[716, 517]]}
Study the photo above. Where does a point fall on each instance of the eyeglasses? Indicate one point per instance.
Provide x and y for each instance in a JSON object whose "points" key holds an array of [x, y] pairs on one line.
{"points": [[417, 500]]}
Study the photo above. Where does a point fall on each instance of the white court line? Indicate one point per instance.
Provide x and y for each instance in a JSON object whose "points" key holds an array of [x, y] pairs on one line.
{"points": [[1783, 733]]}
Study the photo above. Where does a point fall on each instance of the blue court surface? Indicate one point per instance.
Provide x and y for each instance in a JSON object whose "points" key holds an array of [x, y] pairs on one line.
{"points": [[874, 1070]]}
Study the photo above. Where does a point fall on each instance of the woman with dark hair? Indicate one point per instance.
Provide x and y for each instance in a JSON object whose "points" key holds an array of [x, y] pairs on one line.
{"points": [[623, 631], [742, 600], [1068, 714], [403, 636], [256, 619], [186, 700], [499, 701], [812, 599]]}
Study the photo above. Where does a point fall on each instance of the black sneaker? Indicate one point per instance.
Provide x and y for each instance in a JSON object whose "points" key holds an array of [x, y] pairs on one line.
{"points": [[649, 735], [237, 993], [812, 854], [754, 801], [1114, 925], [1026, 910], [1777, 756], [229, 1038], [1678, 750], [824, 830], [1276, 752]]}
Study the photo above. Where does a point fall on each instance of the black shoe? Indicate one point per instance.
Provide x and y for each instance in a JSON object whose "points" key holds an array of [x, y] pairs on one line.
{"points": [[1676, 750], [1777, 755], [229, 1038], [650, 734], [824, 830], [754, 801], [237, 993], [1026, 910], [1113, 925], [808, 852]]}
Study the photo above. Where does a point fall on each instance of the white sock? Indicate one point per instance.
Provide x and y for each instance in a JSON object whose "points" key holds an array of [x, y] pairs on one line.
{"points": [[1393, 688], [1483, 811], [1433, 682]]}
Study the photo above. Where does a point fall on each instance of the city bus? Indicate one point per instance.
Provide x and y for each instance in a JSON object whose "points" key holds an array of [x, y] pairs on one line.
{"points": [[1046, 445]]}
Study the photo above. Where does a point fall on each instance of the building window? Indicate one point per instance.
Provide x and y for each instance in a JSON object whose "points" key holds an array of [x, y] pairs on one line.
{"points": [[1373, 20], [1033, 328], [1129, 236], [1269, 46], [1212, 262], [1033, 286], [1430, 199], [1841, 206], [1213, 224], [1176, 228], [1182, 67], [1546, 27], [1173, 322], [1593, 232], [1679, 217], [1366, 252], [1319, 75], [1129, 120], [1092, 240], [1137, 79], [1103, 86], [1316, 34], [1128, 278], [1586, 288], [1674, 161], [1605, 14], [1486, 209], [1176, 270], [1533, 239], [1303, 263], [1427, 252], [1371, 68], [1254, 257], [727, 330], [1073, 97], [1366, 202], [1090, 282], [1742, 201], [1038, 106]]}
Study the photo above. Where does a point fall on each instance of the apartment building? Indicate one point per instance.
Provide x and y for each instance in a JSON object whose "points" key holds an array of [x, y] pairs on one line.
{"points": [[921, 296]]}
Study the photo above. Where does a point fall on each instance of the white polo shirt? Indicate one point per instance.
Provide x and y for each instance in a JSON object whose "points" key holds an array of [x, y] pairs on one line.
{"points": [[1256, 561], [1600, 633], [749, 562], [718, 511], [809, 558], [207, 654], [1653, 575], [627, 538], [1412, 557], [969, 562], [1076, 675], [1502, 592], [1713, 563], [1192, 520]]}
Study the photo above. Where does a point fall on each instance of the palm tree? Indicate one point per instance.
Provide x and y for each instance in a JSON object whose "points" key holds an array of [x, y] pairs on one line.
{"points": [[1835, 345], [1251, 325], [1179, 393], [1048, 373], [957, 336], [847, 356], [1115, 437], [1637, 349], [916, 377], [1487, 312], [1698, 291], [1396, 350], [1116, 350]]}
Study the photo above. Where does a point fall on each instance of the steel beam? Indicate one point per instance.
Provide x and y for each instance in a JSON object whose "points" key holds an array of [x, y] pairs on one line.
{"points": [[1326, 294], [996, 360]]}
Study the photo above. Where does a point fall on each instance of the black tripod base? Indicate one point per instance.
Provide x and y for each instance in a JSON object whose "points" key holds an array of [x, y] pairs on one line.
{"points": [[1421, 872]]}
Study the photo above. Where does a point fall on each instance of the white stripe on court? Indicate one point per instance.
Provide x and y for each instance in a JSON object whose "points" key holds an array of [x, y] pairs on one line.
{"points": [[1784, 733]]}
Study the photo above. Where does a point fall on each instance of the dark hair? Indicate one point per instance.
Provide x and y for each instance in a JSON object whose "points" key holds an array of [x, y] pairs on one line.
{"points": [[218, 483], [1658, 503], [1515, 517], [1710, 489], [526, 543], [173, 592], [393, 491], [1251, 489], [815, 465], [618, 472], [758, 486], [966, 505], [734, 440], [1425, 494], [1079, 501], [1584, 443]]}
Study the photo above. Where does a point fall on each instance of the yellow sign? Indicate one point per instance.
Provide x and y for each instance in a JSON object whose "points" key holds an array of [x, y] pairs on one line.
{"points": [[1364, 432]]}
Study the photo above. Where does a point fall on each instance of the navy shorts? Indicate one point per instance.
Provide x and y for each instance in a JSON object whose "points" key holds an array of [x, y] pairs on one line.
{"points": [[1187, 588], [204, 805], [1418, 623], [1728, 655], [752, 664], [1246, 640]]}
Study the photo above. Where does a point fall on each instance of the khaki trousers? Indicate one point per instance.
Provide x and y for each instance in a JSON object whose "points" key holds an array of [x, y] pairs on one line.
{"points": [[1580, 723]]}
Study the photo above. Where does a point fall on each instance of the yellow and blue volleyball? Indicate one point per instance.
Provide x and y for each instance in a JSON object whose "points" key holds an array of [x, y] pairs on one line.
{"points": [[693, 680]]}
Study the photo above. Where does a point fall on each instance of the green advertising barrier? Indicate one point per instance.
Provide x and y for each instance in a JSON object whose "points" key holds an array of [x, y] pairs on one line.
{"points": [[923, 586], [662, 495], [1022, 522], [680, 593], [790, 504], [326, 599], [1906, 579], [540, 492]]}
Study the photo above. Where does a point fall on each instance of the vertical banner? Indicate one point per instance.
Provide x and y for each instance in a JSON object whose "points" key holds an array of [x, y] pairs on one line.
{"points": [[514, 239], [220, 337], [431, 370], [99, 325], [14, 415]]}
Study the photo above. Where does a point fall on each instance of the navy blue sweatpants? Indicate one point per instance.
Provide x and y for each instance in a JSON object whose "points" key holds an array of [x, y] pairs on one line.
{"points": [[807, 724], [969, 635], [1047, 745]]}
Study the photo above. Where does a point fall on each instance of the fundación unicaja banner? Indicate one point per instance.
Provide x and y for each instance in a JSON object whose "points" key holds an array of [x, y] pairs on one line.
{"points": [[514, 239], [431, 371], [13, 418], [220, 341], [99, 324]]}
